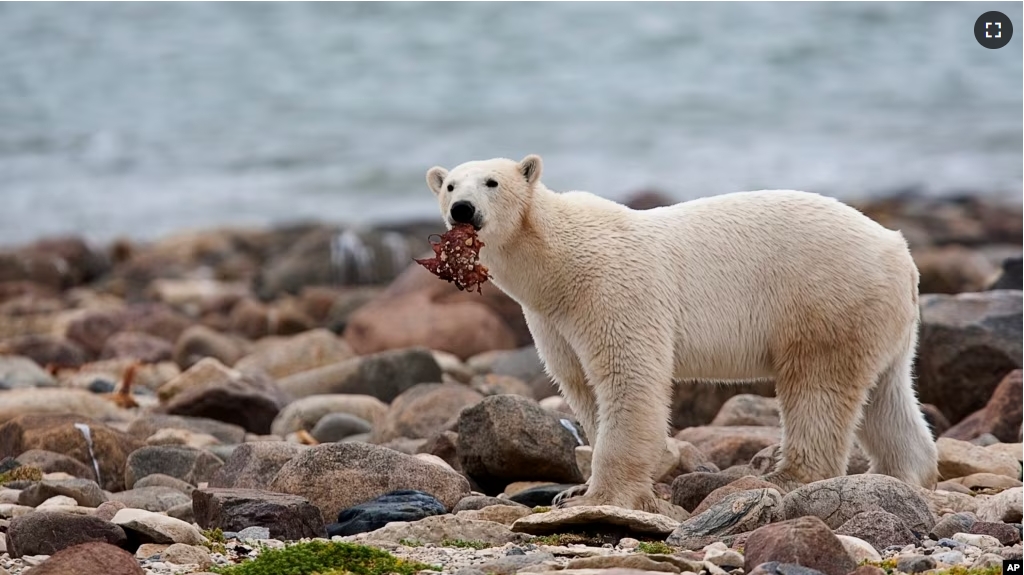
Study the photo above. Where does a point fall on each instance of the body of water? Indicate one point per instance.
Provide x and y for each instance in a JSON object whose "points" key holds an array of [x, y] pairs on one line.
{"points": [[141, 119]]}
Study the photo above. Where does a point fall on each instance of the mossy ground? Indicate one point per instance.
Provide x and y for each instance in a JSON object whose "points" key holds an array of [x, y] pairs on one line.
{"points": [[889, 566], [655, 548], [215, 541], [465, 544], [324, 558], [21, 473]]}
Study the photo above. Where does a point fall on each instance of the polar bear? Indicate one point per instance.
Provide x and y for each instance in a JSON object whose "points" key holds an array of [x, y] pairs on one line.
{"points": [[786, 285]]}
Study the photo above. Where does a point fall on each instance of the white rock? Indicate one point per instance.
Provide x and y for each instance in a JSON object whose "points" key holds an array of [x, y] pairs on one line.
{"points": [[1005, 507], [976, 539], [727, 558], [431, 458], [160, 528], [858, 549], [949, 557], [180, 554], [10, 510], [987, 560], [628, 543], [58, 501]]}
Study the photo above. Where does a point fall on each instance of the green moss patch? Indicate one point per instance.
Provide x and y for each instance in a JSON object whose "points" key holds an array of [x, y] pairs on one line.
{"points": [[465, 544], [21, 473], [324, 558], [655, 548]]}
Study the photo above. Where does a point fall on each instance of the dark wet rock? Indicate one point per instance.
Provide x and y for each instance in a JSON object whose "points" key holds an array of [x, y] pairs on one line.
{"points": [[1010, 277], [404, 505], [46, 532], [541, 495], [968, 343], [1001, 416], [254, 465], [210, 389], [288, 517], [737, 513], [806, 541], [186, 463], [507, 438]]}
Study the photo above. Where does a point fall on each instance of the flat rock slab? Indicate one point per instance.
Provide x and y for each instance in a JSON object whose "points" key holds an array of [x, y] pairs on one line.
{"points": [[558, 520], [158, 528], [438, 528], [288, 517]]}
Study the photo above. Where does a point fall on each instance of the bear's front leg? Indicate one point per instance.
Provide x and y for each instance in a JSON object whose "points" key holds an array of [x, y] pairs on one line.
{"points": [[631, 379]]}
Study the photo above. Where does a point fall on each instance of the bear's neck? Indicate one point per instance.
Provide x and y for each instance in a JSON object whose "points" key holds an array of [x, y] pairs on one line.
{"points": [[524, 267]]}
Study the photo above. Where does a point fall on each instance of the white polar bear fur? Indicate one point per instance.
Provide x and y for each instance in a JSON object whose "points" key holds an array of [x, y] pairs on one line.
{"points": [[788, 285]]}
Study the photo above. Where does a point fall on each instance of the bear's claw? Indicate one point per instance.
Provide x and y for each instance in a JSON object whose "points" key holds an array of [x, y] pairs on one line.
{"points": [[563, 497]]}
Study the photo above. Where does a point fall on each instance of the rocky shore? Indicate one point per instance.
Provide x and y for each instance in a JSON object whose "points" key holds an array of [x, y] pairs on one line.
{"points": [[303, 400]]}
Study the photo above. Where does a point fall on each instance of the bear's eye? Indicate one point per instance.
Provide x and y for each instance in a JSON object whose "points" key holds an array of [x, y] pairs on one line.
{"points": [[492, 184], [451, 187]]}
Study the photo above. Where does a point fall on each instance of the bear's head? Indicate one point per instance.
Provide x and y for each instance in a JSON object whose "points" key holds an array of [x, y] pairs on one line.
{"points": [[492, 195]]}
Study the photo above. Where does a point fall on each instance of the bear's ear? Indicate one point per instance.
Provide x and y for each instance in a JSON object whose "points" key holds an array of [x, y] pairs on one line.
{"points": [[435, 177], [530, 168]]}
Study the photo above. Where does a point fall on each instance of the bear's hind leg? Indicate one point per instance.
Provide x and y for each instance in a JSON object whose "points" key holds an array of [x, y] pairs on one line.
{"points": [[894, 432], [821, 399]]}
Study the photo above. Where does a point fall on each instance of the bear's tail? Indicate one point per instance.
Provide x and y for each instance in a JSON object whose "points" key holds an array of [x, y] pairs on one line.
{"points": [[894, 431]]}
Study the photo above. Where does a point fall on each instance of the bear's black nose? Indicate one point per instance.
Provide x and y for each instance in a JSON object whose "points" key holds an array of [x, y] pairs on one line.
{"points": [[463, 212]]}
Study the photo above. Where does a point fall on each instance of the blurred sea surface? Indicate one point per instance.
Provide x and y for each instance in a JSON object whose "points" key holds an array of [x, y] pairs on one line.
{"points": [[140, 119]]}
